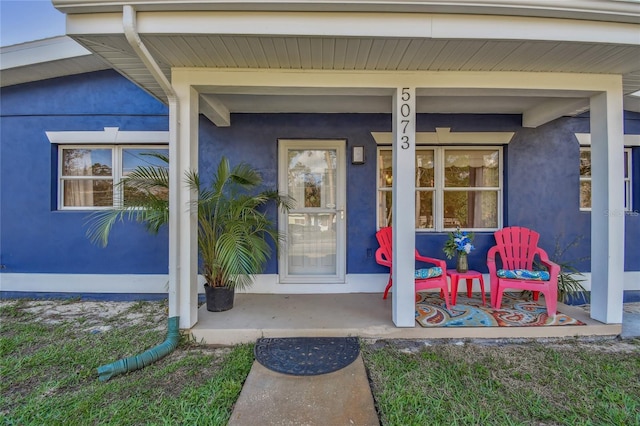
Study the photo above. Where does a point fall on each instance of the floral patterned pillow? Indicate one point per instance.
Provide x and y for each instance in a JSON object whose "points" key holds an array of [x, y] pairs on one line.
{"points": [[523, 274]]}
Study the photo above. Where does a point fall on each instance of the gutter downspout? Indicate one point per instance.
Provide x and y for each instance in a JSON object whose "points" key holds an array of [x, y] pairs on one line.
{"points": [[136, 362]]}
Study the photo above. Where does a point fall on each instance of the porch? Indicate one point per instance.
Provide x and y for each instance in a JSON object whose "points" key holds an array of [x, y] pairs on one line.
{"points": [[364, 315]]}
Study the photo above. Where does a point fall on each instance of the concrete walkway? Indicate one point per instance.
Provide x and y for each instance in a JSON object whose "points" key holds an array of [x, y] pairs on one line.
{"points": [[339, 398]]}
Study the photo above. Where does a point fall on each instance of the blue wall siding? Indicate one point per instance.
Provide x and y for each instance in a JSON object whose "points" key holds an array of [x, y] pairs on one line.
{"points": [[37, 238], [540, 180], [253, 138]]}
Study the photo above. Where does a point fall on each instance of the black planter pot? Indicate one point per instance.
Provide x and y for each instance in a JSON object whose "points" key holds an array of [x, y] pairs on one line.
{"points": [[219, 298]]}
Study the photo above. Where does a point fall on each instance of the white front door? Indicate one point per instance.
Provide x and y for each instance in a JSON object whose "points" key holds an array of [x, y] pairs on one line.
{"points": [[313, 173]]}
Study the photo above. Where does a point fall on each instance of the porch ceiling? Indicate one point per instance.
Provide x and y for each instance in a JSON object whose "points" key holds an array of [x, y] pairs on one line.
{"points": [[370, 54], [371, 40]]}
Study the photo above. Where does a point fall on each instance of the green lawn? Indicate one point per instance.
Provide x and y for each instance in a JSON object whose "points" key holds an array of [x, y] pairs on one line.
{"points": [[49, 373], [49, 355], [566, 383]]}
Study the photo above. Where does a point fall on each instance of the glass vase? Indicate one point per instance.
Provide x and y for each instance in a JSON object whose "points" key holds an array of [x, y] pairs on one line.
{"points": [[462, 264]]}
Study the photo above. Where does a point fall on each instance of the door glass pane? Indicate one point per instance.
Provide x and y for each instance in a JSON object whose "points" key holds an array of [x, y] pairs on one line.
{"points": [[312, 182], [471, 209], [312, 178], [471, 168], [312, 244]]}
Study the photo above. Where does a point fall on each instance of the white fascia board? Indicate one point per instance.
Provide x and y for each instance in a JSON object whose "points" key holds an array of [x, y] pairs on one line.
{"points": [[528, 28], [584, 139], [600, 10], [402, 25], [444, 136], [322, 24], [95, 23], [110, 135], [40, 51]]}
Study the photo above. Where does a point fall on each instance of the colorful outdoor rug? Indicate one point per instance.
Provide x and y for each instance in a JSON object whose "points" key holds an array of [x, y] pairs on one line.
{"points": [[469, 312]]}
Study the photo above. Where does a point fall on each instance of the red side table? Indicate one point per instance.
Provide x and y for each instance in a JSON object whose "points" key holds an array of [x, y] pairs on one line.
{"points": [[468, 276]]}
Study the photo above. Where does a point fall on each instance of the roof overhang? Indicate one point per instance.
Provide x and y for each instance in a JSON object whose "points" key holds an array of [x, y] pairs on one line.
{"points": [[48, 58], [594, 10], [578, 38]]}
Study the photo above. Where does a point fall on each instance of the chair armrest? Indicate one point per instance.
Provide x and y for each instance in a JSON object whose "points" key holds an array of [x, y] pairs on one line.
{"points": [[554, 268], [438, 262], [381, 258], [491, 260]]}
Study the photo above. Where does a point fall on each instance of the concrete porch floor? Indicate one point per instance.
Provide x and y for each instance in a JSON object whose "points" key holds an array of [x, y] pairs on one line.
{"points": [[364, 315]]}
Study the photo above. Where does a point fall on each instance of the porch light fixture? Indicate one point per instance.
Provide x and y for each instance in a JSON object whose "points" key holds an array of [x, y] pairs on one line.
{"points": [[357, 154]]}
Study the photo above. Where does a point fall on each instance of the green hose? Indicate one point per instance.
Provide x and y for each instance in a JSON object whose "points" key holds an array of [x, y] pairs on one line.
{"points": [[150, 356]]}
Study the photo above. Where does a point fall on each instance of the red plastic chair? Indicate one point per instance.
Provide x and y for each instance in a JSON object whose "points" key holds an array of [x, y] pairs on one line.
{"points": [[517, 247], [383, 257]]}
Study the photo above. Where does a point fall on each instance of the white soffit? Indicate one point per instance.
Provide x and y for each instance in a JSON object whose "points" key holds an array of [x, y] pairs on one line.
{"points": [[444, 136]]}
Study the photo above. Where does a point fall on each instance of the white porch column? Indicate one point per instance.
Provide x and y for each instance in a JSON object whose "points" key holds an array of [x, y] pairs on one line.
{"points": [[403, 210], [607, 206], [183, 216]]}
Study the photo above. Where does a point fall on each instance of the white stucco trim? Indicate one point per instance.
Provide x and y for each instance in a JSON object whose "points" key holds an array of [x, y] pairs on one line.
{"points": [[158, 283], [444, 136], [584, 139], [85, 283], [110, 135], [264, 283]]}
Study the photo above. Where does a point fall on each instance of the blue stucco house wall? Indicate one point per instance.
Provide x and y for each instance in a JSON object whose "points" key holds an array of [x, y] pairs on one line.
{"points": [[36, 238], [541, 176]]}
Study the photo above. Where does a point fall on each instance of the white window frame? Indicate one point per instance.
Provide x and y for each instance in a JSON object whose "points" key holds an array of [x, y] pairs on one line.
{"points": [[628, 181], [110, 137], [117, 172], [439, 189]]}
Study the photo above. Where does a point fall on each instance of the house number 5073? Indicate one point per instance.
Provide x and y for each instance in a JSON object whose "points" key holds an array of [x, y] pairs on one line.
{"points": [[405, 112]]}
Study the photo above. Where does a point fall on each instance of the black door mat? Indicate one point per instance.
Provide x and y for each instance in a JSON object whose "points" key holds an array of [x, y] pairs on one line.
{"points": [[306, 356]]}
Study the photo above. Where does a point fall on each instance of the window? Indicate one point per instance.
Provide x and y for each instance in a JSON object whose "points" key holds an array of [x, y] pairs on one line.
{"points": [[585, 179], [455, 186], [88, 174]]}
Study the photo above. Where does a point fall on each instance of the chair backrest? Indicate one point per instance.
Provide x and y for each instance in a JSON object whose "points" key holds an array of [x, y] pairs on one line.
{"points": [[385, 239], [517, 247]]}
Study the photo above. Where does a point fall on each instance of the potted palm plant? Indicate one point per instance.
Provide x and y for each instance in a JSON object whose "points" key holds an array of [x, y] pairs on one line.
{"points": [[234, 231]]}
